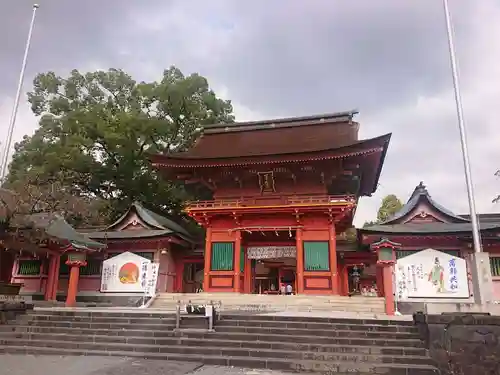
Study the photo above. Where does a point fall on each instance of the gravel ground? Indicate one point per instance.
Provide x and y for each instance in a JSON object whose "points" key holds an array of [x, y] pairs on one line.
{"points": [[53, 365]]}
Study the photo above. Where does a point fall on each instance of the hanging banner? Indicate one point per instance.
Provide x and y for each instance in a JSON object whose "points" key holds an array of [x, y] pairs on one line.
{"points": [[431, 274], [270, 252], [123, 273]]}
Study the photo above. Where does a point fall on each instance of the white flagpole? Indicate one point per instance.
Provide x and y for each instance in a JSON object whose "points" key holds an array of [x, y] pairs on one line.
{"points": [[463, 134], [8, 141]]}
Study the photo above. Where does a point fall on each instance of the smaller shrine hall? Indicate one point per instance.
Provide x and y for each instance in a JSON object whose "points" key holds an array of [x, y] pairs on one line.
{"points": [[422, 223], [139, 231], [282, 191], [38, 249]]}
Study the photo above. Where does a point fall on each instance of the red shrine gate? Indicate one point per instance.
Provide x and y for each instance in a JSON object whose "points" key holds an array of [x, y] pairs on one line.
{"points": [[282, 191]]}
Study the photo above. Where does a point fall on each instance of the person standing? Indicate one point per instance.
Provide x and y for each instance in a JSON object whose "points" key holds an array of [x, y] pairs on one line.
{"points": [[289, 289]]}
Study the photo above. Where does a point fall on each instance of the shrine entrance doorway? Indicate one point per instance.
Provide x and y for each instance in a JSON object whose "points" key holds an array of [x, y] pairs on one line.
{"points": [[273, 268], [192, 277]]}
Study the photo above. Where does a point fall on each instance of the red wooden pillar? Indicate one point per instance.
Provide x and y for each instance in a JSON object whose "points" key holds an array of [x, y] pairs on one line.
{"points": [[388, 288], [75, 261], [300, 261], [380, 282], [386, 254], [179, 274], [207, 259], [74, 275], [49, 286], [55, 283], [333, 259], [237, 261]]}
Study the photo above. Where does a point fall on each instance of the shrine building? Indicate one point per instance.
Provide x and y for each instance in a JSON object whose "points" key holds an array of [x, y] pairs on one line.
{"points": [[422, 223], [34, 254], [282, 192], [139, 231]]}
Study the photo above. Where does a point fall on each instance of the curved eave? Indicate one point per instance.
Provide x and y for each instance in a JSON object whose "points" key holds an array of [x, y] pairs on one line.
{"points": [[366, 147], [413, 203], [425, 229]]}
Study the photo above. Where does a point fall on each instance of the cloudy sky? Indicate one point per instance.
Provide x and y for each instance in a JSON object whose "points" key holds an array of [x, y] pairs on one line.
{"points": [[386, 58]]}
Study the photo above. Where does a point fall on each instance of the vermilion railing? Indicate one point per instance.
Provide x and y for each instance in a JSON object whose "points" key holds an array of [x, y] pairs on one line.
{"points": [[271, 201]]}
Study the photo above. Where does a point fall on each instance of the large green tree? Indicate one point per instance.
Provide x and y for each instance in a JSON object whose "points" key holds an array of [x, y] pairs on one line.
{"points": [[390, 205], [99, 127]]}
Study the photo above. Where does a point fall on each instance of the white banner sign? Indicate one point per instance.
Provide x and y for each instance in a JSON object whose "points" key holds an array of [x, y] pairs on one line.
{"points": [[271, 252], [151, 279], [431, 274], [123, 273]]}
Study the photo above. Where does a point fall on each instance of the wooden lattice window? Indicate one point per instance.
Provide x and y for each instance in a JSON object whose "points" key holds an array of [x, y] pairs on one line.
{"points": [[93, 268], [222, 256], [146, 254], [495, 266], [29, 267], [316, 256], [242, 259], [63, 267]]}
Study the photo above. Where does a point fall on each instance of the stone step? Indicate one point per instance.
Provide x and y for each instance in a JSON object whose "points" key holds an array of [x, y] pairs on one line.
{"points": [[110, 326], [177, 296], [314, 326], [246, 362], [275, 306], [219, 351], [281, 308], [169, 319], [317, 319], [314, 332], [317, 339], [324, 339], [138, 315], [278, 302], [83, 331], [214, 343], [221, 328], [275, 299], [103, 312], [226, 321]]}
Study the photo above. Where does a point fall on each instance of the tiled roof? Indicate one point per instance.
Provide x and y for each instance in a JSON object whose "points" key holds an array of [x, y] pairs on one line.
{"points": [[56, 226], [426, 228], [275, 137], [485, 218]]}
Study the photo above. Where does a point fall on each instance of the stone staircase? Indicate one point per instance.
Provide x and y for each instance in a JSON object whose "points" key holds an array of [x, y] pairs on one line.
{"points": [[323, 345], [272, 303]]}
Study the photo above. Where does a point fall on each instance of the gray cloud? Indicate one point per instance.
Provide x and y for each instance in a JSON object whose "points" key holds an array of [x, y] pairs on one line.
{"points": [[284, 58]]}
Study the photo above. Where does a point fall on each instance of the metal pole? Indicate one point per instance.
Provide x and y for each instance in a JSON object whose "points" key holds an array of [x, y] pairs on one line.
{"points": [[8, 142], [463, 135]]}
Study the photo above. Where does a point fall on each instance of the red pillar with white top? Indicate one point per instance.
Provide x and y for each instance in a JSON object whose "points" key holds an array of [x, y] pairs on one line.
{"points": [[386, 259], [75, 261]]}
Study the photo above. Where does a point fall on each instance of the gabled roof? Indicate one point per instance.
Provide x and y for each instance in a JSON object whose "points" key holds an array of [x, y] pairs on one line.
{"points": [[158, 225], [420, 195]]}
